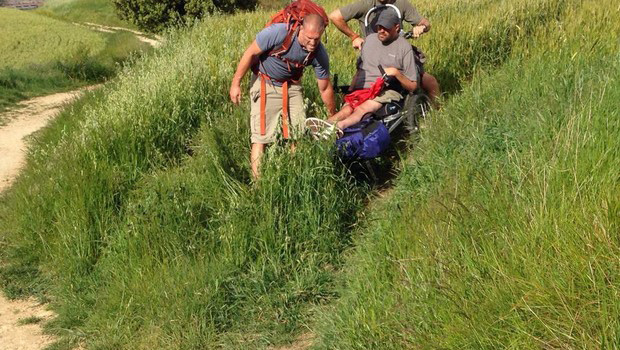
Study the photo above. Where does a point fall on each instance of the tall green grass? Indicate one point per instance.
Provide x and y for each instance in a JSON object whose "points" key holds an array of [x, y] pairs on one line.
{"points": [[142, 222], [502, 232]]}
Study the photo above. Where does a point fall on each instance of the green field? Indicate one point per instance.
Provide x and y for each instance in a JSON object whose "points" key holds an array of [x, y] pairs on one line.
{"points": [[137, 218], [80, 11], [40, 55], [30, 39]]}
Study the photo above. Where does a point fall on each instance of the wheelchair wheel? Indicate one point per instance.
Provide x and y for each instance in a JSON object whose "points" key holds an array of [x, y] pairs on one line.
{"points": [[416, 107]]}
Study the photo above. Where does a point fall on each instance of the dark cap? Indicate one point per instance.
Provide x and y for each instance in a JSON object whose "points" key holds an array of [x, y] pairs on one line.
{"points": [[387, 19]]}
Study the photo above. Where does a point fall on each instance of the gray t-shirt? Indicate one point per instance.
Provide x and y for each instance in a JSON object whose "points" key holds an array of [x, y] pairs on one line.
{"points": [[272, 37], [397, 54], [359, 9]]}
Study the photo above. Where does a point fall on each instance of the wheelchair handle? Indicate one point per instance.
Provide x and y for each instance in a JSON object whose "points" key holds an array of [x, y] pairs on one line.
{"points": [[382, 71]]}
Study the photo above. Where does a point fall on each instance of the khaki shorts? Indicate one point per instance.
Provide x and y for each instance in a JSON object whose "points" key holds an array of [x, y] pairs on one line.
{"points": [[388, 96], [273, 112]]}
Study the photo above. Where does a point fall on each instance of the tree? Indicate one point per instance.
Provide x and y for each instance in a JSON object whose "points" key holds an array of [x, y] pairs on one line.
{"points": [[156, 15]]}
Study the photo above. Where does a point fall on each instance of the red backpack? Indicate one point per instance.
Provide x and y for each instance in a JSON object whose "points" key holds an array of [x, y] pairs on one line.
{"points": [[293, 15]]}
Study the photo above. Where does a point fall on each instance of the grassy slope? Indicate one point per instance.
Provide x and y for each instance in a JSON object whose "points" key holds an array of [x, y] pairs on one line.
{"points": [[92, 11], [29, 59], [44, 40], [147, 247], [169, 96], [503, 230], [53, 55]]}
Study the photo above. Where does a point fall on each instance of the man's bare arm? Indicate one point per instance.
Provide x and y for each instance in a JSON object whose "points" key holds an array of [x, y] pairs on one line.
{"points": [[249, 57], [425, 22], [338, 20], [404, 81], [423, 27], [327, 95]]}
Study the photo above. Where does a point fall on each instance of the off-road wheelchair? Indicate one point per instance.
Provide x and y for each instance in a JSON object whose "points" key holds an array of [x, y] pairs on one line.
{"points": [[362, 145]]}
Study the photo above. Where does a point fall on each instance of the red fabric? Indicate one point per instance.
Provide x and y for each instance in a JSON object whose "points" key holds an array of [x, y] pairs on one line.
{"points": [[296, 11], [358, 97]]}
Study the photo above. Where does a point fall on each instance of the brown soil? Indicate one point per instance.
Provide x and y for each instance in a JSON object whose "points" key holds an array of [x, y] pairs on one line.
{"points": [[14, 334], [27, 118], [302, 343]]}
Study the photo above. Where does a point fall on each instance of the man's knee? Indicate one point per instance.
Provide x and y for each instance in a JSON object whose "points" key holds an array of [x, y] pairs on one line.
{"points": [[369, 106], [429, 82]]}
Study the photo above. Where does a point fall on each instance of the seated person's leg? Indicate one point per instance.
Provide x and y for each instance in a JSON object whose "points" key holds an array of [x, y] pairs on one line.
{"points": [[369, 106], [431, 86], [342, 114]]}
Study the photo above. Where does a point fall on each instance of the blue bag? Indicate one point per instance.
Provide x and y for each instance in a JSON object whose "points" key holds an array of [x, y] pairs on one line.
{"points": [[364, 140]]}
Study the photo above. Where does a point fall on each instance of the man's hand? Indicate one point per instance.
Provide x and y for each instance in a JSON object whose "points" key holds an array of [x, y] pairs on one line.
{"points": [[418, 30], [404, 81], [250, 55], [358, 42], [235, 93], [338, 20], [392, 71]]}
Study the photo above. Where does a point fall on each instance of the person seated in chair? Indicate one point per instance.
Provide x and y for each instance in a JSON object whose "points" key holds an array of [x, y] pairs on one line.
{"points": [[366, 12], [384, 48]]}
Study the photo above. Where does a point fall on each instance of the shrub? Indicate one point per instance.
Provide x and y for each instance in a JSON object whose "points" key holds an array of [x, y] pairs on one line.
{"points": [[155, 16]]}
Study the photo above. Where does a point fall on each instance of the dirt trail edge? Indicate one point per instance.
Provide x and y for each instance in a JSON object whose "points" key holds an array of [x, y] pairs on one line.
{"points": [[155, 41], [20, 320], [20, 325]]}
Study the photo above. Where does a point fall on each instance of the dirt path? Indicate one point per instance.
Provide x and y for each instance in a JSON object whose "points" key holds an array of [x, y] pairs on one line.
{"points": [[303, 342], [27, 118], [20, 321], [155, 42], [20, 325]]}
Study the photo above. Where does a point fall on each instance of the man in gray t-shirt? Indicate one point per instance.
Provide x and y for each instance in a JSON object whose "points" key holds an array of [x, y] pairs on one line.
{"points": [[396, 53], [388, 49], [367, 11]]}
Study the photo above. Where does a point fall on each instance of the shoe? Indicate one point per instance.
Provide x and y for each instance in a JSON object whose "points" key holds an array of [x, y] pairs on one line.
{"points": [[321, 129], [328, 132]]}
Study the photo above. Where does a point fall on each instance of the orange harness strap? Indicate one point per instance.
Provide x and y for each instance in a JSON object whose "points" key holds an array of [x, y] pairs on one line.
{"points": [[263, 103], [285, 110]]}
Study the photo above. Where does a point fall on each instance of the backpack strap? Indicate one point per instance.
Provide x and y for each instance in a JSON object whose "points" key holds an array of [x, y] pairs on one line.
{"points": [[286, 44], [291, 64], [263, 104], [285, 110]]}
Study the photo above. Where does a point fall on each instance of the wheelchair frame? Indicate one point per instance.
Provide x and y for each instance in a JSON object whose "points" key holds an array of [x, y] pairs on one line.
{"points": [[394, 115]]}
